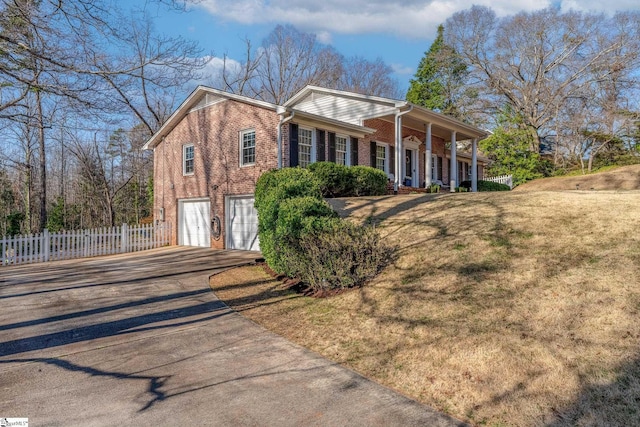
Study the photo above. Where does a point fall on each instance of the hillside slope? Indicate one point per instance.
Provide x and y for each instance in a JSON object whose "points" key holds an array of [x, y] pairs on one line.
{"points": [[622, 178], [502, 309], [508, 308]]}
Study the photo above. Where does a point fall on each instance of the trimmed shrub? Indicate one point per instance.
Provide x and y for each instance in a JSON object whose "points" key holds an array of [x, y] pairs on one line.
{"points": [[486, 186], [301, 236], [368, 181], [298, 216], [272, 189], [335, 180], [338, 255]]}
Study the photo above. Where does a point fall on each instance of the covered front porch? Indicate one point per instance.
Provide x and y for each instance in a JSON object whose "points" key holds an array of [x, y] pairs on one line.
{"points": [[425, 149]]}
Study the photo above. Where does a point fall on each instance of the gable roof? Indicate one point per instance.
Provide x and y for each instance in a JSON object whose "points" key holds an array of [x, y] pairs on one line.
{"points": [[340, 105], [354, 108], [201, 97]]}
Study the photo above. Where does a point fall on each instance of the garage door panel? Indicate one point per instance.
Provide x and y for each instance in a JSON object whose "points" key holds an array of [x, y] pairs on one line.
{"points": [[195, 227], [242, 224]]}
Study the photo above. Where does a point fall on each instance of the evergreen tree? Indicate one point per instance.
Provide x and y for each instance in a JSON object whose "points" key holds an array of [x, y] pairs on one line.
{"points": [[509, 148], [439, 81]]}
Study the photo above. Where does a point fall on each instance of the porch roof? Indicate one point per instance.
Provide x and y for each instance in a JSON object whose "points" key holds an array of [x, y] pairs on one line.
{"points": [[330, 124], [356, 108]]}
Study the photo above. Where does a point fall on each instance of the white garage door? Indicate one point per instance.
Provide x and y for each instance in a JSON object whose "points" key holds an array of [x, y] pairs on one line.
{"points": [[242, 224], [195, 228]]}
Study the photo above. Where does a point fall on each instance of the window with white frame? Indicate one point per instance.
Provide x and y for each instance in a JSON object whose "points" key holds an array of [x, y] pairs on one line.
{"points": [[188, 155], [247, 147], [381, 157], [342, 146], [305, 146]]}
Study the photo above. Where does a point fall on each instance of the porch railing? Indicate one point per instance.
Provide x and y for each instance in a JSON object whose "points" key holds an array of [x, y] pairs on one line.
{"points": [[46, 246], [502, 179]]}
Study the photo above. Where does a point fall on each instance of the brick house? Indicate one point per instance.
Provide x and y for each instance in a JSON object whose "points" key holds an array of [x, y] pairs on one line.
{"points": [[211, 151]]}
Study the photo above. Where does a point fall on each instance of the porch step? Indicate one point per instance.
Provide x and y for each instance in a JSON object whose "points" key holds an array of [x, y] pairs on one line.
{"points": [[406, 190]]}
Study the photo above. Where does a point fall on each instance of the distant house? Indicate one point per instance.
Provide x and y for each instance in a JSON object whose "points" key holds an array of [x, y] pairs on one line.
{"points": [[211, 151]]}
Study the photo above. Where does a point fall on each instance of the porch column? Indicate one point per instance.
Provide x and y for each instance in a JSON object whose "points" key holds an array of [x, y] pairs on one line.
{"points": [[398, 165], [474, 165], [453, 169], [427, 163]]}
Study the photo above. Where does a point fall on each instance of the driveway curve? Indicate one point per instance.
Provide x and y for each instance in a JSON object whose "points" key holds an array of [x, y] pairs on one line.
{"points": [[140, 339]]}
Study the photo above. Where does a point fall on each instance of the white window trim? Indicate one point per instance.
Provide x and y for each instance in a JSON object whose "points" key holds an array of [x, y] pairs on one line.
{"points": [[313, 143], [386, 155], [241, 135], [184, 159], [347, 156]]}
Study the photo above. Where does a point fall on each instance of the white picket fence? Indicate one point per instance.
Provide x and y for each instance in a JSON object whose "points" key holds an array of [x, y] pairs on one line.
{"points": [[502, 179], [71, 244]]}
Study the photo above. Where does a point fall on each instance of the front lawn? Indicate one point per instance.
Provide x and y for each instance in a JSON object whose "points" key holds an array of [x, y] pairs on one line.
{"points": [[501, 309]]}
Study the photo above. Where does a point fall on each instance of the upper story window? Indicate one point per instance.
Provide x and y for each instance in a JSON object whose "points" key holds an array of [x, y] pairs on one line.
{"points": [[342, 151], [381, 157], [188, 154], [305, 146], [247, 147]]}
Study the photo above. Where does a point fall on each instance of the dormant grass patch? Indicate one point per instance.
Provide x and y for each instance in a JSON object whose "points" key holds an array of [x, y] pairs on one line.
{"points": [[615, 178], [500, 309]]}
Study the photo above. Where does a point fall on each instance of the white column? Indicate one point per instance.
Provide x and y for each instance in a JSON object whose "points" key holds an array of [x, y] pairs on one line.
{"points": [[398, 168], [427, 163], [399, 156], [453, 169], [474, 165]]}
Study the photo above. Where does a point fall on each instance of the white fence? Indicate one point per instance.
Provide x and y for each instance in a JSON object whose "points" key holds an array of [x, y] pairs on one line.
{"points": [[503, 179], [47, 246]]}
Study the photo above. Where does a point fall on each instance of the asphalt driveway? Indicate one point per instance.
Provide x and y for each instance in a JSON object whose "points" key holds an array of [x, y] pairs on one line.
{"points": [[140, 339]]}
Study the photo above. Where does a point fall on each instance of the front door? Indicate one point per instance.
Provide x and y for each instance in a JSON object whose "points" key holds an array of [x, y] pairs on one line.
{"points": [[408, 169]]}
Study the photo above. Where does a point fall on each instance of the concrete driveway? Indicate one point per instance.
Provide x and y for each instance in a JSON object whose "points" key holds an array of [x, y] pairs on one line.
{"points": [[139, 339]]}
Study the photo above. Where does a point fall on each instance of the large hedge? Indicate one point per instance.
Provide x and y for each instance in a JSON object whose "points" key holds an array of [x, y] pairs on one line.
{"points": [[346, 181], [272, 189], [338, 255], [301, 236], [369, 181]]}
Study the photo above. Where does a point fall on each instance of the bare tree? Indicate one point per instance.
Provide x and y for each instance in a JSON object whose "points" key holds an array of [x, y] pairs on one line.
{"points": [[241, 79], [289, 59], [536, 61], [368, 77], [293, 59], [147, 72], [86, 58]]}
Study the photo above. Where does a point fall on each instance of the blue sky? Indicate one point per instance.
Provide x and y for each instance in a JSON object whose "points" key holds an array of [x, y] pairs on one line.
{"points": [[397, 32]]}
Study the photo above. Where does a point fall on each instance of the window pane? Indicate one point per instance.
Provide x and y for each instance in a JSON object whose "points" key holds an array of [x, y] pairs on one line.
{"points": [[341, 150], [248, 148], [381, 154], [188, 159], [305, 139]]}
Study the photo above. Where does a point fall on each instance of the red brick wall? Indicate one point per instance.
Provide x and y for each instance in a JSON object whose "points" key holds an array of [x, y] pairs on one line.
{"points": [[214, 131]]}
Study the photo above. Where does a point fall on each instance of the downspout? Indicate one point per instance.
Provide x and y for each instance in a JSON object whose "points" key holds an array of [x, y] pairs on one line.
{"points": [[398, 148], [282, 121], [163, 176]]}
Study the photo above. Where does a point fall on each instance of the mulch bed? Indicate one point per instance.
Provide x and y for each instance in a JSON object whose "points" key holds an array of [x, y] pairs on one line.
{"points": [[299, 286]]}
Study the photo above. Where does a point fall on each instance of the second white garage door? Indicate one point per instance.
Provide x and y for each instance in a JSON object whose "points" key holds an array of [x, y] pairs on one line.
{"points": [[195, 228], [242, 223]]}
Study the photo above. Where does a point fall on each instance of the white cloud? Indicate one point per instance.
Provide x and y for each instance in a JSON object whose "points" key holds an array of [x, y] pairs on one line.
{"points": [[324, 37], [411, 18], [212, 72], [401, 69], [599, 6]]}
